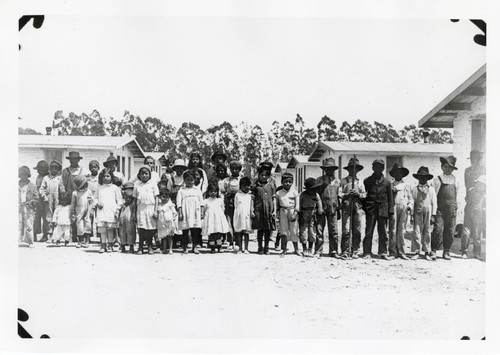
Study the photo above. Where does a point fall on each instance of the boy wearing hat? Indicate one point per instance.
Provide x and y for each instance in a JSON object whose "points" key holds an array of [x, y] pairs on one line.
{"points": [[40, 225], [379, 206], [424, 213], [68, 176], [28, 200], [128, 231], [351, 199], [111, 163], [81, 205], [309, 207], [446, 186], [329, 191], [403, 203], [217, 158], [49, 193]]}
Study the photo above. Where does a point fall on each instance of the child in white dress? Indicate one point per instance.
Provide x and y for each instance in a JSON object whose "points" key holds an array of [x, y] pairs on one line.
{"points": [[167, 221], [215, 222], [61, 220], [109, 201], [190, 211], [243, 213]]}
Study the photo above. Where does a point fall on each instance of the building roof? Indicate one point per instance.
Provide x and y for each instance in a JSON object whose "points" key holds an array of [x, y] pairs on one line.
{"points": [[156, 155], [80, 142], [280, 166], [300, 159], [460, 99], [380, 148]]}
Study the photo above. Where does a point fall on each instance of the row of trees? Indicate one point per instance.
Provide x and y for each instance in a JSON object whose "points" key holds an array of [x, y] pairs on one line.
{"points": [[245, 142]]}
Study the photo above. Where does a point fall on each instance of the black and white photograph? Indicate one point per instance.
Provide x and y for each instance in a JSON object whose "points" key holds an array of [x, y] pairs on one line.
{"points": [[235, 179]]}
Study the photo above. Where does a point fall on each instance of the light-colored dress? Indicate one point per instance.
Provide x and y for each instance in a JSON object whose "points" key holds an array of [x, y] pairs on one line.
{"points": [[145, 194], [167, 219], [110, 197], [61, 218], [215, 220], [242, 212], [190, 199]]}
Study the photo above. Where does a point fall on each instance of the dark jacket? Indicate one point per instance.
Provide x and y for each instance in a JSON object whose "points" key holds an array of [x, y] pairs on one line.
{"points": [[378, 196]]}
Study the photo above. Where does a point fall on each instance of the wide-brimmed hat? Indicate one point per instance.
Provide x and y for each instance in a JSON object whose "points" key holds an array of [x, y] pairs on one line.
{"points": [[399, 167], [56, 163], [451, 160], [219, 154], [80, 180], [311, 183], [42, 165], [110, 159], [423, 172], [74, 155], [179, 163], [329, 163], [475, 153], [353, 162]]}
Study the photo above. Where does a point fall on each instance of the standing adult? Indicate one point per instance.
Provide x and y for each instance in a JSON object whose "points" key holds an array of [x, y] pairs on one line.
{"points": [[379, 206], [195, 161], [472, 228], [328, 191], [68, 184], [39, 224], [217, 158]]}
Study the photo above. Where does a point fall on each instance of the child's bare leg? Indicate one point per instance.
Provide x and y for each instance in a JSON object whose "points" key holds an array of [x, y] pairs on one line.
{"points": [[170, 243]]}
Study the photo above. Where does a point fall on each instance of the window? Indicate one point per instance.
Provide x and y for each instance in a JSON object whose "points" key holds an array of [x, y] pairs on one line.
{"points": [[123, 165], [118, 160]]}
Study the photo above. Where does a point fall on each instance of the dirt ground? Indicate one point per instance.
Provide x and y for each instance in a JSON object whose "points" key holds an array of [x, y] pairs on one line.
{"points": [[79, 293]]}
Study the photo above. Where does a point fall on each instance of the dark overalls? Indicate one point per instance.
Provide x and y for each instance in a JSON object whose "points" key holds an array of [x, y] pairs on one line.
{"points": [[442, 236]]}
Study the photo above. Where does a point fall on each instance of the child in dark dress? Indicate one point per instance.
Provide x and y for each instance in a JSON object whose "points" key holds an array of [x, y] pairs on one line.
{"points": [[264, 209]]}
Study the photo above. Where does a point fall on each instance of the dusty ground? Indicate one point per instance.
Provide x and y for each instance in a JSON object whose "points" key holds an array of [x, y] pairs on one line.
{"points": [[76, 293]]}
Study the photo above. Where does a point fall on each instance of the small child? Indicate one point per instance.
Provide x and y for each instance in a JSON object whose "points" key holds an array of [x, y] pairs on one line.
{"points": [[190, 211], [28, 201], [231, 186], [174, 185], [49, 193], [109, 200], [243, 213], [288, 206], [39, 224], [61, 220], [167, 220], [424, 212], [198, 179], [214, 220], [403, 203], [309, 205], [81, 205], [93, 185], [264, 208], [145, 192], [446, 186], [128, 231], [475, 208], [195, 161]]}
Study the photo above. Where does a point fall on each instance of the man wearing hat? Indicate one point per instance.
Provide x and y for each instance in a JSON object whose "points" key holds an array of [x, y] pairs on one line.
{"points": [[351, 199], [379, 206], [446, 186], [424, 213], [403, 203], [217, 158], [329, 191], [49, 193], [68, 185], [111, 163], [39, 223], [472, 173]]}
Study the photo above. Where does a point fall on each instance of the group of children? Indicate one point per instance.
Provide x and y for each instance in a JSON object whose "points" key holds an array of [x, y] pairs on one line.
{"points": [[187, 203]]}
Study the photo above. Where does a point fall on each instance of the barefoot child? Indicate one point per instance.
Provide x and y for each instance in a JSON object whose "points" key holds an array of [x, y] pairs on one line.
{"points": [[81, 205], [145, 192], [214, 222], [243, 214], [49, 193], [190, 211], [264, 208], [403, 203], [424, 212], [231, 187], [28, 201], [288, 206], [109, 200], [167, 220], [39, 225], [93, 185], [128, 231], [61, 221], [309, 206]]}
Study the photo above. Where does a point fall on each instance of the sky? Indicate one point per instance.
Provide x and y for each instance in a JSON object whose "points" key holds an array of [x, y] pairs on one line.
{"points": [[207, 70]]}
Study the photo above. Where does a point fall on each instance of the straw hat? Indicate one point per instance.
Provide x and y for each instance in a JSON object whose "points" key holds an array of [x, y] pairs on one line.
{"points": [[329, 163]]}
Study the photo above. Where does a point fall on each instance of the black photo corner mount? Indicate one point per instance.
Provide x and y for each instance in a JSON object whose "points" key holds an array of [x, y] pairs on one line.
{"points": [[479, 38], [22, 316], [37, 22]]}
